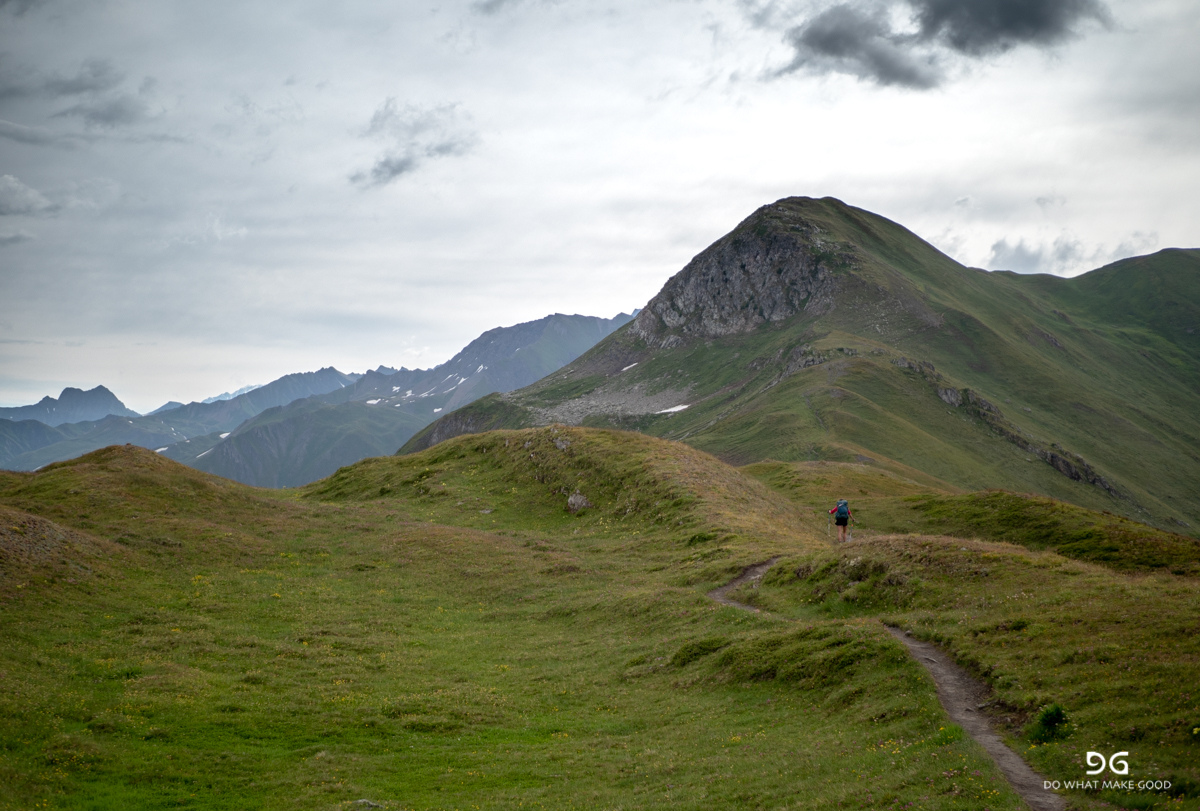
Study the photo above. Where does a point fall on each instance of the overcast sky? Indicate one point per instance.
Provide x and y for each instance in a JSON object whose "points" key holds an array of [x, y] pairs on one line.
{"points": [[199, 196]]}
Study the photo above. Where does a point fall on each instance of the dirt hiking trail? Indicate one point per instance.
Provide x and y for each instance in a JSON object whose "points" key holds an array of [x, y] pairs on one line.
{"points": [[750, 573], [960, 695]]}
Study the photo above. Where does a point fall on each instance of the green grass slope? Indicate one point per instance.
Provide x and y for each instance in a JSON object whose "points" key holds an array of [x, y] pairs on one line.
{"points": [[858, 339], [440, 631]]}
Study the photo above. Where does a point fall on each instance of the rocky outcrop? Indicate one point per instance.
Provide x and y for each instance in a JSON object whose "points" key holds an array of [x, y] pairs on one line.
{"points": [[1069, 464], [577, 501], [774, 265]]}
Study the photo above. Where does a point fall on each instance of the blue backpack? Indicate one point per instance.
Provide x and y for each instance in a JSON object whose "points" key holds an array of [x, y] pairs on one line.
{"points": [[843, 508]]}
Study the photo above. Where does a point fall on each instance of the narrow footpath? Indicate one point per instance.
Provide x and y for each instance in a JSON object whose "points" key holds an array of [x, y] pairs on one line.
{"points": [[961, 697]]}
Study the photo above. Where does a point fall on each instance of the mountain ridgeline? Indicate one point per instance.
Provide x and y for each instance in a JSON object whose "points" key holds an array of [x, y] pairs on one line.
{"points": [[815, 330], [308, 439], [303, 427], [28, 445]]}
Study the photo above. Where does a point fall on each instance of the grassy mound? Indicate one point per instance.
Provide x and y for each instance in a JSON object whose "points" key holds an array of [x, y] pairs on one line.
{"points": [[104, 484], [138, 500], [623, 483]]}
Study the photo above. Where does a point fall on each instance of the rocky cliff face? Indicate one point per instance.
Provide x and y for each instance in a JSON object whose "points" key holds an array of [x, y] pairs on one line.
{"points": [[775, 264]]}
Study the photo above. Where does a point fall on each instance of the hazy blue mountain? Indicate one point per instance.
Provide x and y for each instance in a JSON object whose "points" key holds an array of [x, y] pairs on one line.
{"points": [[501, 359], [321, 440], [229, 395], [73, 405], [165, 407], [178, 424], [21, 436], [309, 439]]}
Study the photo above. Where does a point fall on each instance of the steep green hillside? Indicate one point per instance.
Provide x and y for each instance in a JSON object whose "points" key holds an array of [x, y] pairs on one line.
{"points": [[21, 436], [816, 330], [440, 630]]}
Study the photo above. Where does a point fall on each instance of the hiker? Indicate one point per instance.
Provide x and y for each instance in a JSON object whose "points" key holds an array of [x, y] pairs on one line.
{"points": [[842, 517]]}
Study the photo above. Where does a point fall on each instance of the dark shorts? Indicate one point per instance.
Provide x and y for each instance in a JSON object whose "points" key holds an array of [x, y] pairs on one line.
{"points": [[841, 522]]}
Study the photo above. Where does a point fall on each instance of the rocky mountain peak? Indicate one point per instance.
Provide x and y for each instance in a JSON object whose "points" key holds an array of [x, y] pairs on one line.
{"points": [[776, 263]]}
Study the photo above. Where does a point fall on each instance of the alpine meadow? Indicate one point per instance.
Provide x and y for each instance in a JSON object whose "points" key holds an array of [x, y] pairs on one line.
{"points": [[619, 586]]}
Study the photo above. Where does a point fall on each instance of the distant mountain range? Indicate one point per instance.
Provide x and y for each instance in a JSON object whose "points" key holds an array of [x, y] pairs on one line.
{"points": [[308, 439], [304, 426], [37, 447], [815, 330]]}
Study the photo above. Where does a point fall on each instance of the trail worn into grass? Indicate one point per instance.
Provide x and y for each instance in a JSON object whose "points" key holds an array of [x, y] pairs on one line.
{"points": [[750, 573], [960, 695]]}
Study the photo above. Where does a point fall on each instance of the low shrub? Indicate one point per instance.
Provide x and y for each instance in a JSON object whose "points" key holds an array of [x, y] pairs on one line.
{"points": [[1051, 723]]}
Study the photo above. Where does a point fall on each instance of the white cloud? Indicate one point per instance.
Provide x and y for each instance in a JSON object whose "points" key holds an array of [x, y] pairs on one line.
{"points": [[1065, 255], [17, 198]]}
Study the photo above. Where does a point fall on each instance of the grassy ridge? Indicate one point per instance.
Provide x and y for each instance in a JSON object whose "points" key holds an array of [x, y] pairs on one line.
{"points": [[672, 499], [439, 631]]}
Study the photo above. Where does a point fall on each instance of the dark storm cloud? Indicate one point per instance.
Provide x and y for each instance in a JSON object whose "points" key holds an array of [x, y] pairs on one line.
{"points": [[413, 134], [1065, 253], [385, 170], [847, 39], [861, 39], [978, 27], [1019, 257], [94, 76], [492, 6]]}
